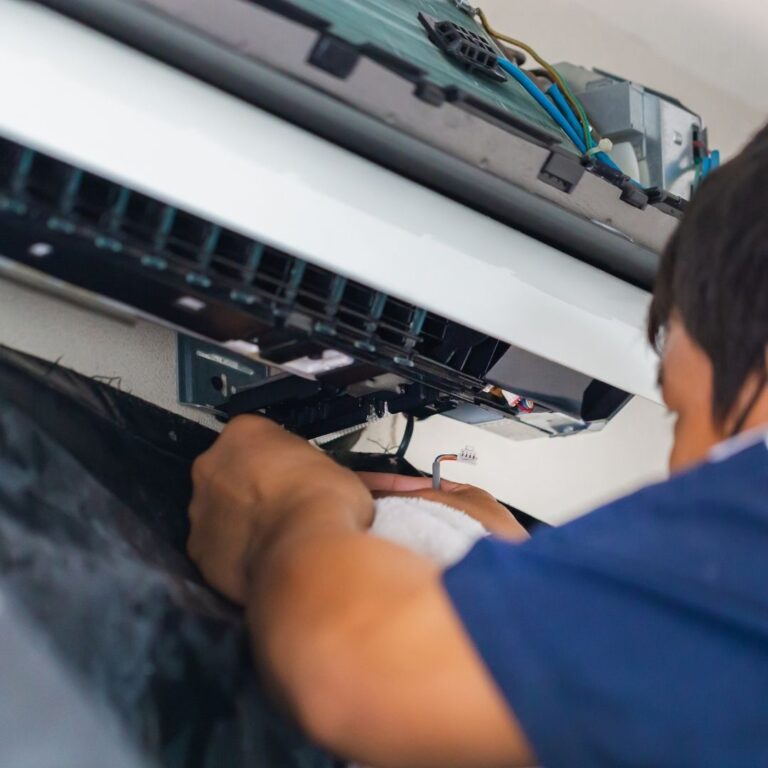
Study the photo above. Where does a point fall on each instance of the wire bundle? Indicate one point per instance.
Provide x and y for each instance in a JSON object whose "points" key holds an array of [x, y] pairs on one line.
{"points": [[559, 102], [559, 82]]}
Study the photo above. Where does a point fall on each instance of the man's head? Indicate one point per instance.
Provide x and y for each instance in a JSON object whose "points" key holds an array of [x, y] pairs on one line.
{"points": [[709, 317]]}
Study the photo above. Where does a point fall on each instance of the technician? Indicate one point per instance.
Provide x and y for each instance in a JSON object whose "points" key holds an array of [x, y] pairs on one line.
{"points": [[635, 636]]}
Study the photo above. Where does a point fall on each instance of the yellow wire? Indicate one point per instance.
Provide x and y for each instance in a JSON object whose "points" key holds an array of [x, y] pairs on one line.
{"points": [[551, 71]]}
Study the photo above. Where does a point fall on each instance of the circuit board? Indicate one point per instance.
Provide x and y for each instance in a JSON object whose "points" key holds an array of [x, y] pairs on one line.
{"points": [[415, 86], [394, 26]]}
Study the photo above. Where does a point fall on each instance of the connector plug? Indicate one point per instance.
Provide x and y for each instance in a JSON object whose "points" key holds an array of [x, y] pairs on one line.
{"points": [[468, 455], [466, 6]]}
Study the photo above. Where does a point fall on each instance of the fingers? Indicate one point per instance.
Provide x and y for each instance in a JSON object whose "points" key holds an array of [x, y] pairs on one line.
{"points": [[421, 493], [375, 481], [383, 483], [450, 487], [449, 498]]}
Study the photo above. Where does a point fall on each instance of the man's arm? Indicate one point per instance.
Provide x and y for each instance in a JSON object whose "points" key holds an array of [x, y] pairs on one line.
{"points": [[356, 634]]}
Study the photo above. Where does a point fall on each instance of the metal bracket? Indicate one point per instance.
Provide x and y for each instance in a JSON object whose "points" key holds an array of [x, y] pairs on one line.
{"points": [[210, 374]]}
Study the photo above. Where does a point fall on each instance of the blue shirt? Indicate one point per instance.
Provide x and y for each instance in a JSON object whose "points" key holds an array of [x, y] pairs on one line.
{"points": [[638, 635]]}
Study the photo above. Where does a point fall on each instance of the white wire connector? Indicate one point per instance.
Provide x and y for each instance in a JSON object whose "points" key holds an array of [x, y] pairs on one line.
{"points": [[466, 6], [468, 455], [604, 145]]}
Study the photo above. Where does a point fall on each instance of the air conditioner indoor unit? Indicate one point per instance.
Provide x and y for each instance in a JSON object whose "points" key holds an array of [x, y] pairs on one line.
{"points": [[383, 232]]}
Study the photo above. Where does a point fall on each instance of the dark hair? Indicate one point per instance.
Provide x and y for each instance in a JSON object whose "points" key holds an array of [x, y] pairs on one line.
{"points": [[714, 272]]}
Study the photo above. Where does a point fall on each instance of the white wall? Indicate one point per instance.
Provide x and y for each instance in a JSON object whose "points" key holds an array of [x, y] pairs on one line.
{"points": [[552, 479], [139, 357]]}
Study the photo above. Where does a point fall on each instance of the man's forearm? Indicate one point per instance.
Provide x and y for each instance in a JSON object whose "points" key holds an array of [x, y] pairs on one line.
{"points": [[359, 638], [320, 588]]}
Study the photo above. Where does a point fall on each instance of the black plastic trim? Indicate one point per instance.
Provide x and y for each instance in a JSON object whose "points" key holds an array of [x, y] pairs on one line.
{"points": [[294, 12], [562, 171], [148, 31], [335, 56]]}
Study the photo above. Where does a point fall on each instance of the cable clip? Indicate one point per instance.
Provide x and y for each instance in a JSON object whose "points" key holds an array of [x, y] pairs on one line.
{"points": [[604, 145]]}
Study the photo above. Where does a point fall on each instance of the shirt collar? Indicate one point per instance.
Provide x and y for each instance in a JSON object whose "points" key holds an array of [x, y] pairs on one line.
{"points": [[739, 443]]}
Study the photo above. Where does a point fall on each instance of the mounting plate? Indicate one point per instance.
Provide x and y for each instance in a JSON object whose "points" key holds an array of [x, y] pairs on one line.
{"points": [[209, 375]]}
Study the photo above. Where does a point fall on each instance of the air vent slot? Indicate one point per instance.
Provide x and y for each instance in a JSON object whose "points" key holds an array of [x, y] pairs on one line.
{"points": [[47, 180], [191, 238], [95, 199], [357, 307], [397, 323], [143, 219], [10, 155], [273, 275], [241, 270], [234, 257], [317, 291]]}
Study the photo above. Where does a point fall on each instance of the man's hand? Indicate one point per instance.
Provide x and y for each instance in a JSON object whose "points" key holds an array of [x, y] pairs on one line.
{"points": [[254, 481], [475, 502], [355, 634]]}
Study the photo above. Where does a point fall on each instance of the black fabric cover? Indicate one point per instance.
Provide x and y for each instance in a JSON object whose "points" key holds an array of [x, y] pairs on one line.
{"points": [[94, 486]]}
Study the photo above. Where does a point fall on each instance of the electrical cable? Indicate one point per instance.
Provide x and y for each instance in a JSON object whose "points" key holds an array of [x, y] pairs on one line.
{"points": [[565, 119], [560, 101], [562, 104], [606, 159], [566, 110], [407, 436], [521, 77], [551, 71]]}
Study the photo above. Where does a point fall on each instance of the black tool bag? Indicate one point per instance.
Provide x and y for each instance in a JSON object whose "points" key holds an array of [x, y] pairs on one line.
{"points": [[94, 486]]}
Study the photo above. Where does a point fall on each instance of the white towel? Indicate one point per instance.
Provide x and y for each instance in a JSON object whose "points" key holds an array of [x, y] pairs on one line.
{"points": [[434, 530]]}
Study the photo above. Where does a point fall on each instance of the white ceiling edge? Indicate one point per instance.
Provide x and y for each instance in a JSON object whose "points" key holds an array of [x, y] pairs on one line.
{"points": [[94, 102]]}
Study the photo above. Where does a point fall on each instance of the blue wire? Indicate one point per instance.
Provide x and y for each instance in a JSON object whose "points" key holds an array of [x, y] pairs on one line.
{"points": [[543, 102], [566, 119], [606, 159], [565, 108], [561, 103]]}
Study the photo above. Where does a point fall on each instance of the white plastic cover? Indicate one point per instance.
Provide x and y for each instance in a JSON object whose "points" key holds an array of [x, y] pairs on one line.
{"points": [[78, 95]]}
